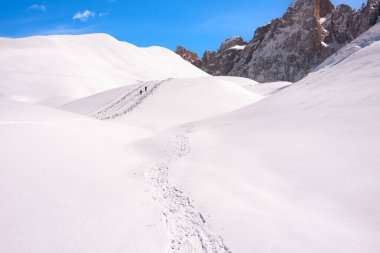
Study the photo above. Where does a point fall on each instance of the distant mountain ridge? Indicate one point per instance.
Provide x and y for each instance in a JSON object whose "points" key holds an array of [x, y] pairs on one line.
{"points": [[288, 48]]}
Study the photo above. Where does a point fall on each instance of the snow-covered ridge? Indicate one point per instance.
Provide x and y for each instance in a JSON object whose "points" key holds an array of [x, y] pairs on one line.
{"points": [[364, 40], [54, 69], [168, 103]]}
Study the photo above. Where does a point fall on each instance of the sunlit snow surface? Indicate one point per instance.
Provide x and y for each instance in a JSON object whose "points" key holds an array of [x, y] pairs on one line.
{"points": [[57, 69], [200, 164]]}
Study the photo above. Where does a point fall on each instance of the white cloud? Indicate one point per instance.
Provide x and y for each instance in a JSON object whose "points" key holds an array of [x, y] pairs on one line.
{"points": [[103, 14], [84, 16], [38, 7]]}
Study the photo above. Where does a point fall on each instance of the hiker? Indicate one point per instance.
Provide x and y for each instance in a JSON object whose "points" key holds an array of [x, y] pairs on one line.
{"points": [[146, 88], [140, 92]]}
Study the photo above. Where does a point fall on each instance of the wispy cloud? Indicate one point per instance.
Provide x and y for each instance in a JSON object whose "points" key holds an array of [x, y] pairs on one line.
{"points": [[38, 7], [103, 14], [84, 16]]}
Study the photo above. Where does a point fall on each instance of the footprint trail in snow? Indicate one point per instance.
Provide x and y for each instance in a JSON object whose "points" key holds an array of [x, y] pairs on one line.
{"points": [[188, 230], [127, 101]]}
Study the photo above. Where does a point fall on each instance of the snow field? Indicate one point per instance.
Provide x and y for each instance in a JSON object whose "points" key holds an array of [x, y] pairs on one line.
{"points": [[196, 164], [53, 70]]}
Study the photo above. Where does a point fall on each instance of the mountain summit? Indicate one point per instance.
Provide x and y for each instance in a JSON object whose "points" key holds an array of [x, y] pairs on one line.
{"points": [[288, 48]]}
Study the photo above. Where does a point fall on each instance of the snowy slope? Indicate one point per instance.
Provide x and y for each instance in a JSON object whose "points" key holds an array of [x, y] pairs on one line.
{"points": [[263, 89], [87, 105], [55, 69], [298, 171], [72, 184], [268, 89], [174, 102]]}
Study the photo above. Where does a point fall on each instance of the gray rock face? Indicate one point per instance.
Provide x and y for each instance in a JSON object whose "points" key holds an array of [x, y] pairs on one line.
{"points": [[222, 61], [345, 24], [341, 26], [189, 56], [288, 48]]}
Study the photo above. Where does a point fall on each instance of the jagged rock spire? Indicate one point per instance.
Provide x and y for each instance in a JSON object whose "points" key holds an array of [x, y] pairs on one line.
{"points": [[289, 47], [322, 8]]}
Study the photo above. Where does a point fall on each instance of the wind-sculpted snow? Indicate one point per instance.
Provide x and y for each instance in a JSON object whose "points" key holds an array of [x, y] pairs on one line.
{"points": [[127, 102], [188, 229]]}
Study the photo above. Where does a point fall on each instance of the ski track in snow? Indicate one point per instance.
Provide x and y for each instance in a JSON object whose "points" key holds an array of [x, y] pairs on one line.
{"points": [[188, 229], [127, 101]]}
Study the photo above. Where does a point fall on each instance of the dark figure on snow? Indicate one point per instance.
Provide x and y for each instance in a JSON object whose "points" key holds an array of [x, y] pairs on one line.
{"points": [[146, 88], [140, 92]]}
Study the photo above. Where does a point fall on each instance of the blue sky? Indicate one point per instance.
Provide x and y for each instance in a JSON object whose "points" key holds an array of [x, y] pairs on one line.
{"points": [[196, 24]]}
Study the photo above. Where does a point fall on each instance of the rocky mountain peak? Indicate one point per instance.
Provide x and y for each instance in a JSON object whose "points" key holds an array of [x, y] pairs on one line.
{"points": [[288, 48], [232, 42], [345, 24], [312, 8]]}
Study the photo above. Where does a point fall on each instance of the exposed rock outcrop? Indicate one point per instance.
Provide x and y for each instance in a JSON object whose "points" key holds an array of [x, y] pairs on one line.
{"points": [[222, 61], [288, 48], [345, 24], [189, 56]]}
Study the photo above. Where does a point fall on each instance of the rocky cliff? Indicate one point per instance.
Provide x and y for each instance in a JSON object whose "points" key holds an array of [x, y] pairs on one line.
{"points": [[288, 48], [222, 61], [189, 56]]}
